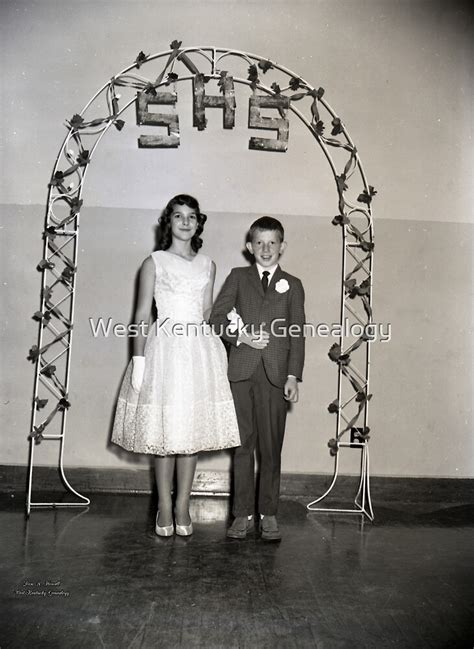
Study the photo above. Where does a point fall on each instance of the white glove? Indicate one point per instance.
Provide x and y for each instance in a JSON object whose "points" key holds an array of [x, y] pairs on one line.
{"points": [[235, 323], [138, 370]]}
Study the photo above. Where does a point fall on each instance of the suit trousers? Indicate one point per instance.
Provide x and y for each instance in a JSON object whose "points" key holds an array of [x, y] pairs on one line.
{"points": [[261, 413]]}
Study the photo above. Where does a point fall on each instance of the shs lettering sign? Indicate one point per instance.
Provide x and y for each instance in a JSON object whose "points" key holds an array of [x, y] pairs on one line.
{"points": [[202, 101]]}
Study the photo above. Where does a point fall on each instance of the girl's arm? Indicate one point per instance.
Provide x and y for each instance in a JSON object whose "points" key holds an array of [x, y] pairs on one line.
{"points": [[145, 299], [208, 292]]}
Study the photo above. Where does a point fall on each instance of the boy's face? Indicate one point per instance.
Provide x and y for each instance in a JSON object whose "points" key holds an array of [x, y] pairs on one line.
{"points": [[266, 247]]}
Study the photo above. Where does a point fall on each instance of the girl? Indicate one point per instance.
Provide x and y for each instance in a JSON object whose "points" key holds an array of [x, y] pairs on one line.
{"points": [[175, 398]]}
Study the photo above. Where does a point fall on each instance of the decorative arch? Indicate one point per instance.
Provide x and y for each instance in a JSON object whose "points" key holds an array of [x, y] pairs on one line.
{"points": [[274, 87]]}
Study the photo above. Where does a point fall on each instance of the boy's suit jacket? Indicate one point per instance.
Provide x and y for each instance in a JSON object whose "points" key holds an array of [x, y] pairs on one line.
{"points": [[283, 355]]}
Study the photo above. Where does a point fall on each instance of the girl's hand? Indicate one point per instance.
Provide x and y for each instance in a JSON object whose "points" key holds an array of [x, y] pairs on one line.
{"points": [[138, 370]]}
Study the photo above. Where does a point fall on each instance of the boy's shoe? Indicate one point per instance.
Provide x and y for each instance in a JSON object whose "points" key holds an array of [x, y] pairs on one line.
{"points": [[240, 526], [269, 528]]}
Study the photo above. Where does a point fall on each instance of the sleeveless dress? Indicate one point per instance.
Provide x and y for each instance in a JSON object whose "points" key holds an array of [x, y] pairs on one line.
{"points": [[185, 404]]}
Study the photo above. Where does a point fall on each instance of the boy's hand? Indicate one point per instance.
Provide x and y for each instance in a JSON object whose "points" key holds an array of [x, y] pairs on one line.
{"points": [[291, 389], [257, 341]]}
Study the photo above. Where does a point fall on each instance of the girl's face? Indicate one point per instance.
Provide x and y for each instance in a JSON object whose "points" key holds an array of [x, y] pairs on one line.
{"points": [[184, 222]]}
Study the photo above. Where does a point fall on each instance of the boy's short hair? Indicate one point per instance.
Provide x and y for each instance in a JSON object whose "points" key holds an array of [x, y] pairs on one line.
{"points": [[266, 223]]}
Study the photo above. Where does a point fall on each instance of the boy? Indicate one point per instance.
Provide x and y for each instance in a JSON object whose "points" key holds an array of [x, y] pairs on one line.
{"points": [[264, 369]]}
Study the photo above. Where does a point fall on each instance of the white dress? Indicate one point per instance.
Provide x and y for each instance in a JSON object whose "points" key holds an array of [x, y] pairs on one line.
{"points": [[185, 404]]}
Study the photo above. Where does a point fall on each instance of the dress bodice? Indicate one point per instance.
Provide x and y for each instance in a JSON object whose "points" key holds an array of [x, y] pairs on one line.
{"points": [[180, 285]]}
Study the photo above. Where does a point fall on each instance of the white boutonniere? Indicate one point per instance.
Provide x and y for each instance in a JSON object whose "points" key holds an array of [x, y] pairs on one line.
{"points": [[282, 286]]}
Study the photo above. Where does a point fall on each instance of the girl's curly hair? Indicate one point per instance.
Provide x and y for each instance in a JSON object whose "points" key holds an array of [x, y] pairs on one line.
{"points": [[164, 237]]}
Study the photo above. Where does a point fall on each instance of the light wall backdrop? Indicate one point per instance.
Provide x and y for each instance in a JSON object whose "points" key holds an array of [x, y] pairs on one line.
{"points": [[399, 73]]}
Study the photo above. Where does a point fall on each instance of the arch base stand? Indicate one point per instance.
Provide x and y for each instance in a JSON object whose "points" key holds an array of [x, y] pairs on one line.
{"points": [[362, 500], [52, 505]]}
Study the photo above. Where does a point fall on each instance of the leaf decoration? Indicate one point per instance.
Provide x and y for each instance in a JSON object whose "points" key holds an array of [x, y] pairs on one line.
{"points": [[76, 121], [49, 370], [39, 316], [298, 96], [119, 124], [33, 354], [83, 158], [50, 233], [175, 45], [253, 76], [150, 89], [319, 127], [333, 406], [334, 352], [366, 196], [367, 246], [68, 273], [47, 293], [364, 287], [340, 219], [362, 396], [44, 263], [336, 126], [366, 335], [354, 290], [40, 403], [337, 357], [75, 204], [265, 66], [295, 83], [341, 183], [221, 81], [276, 88], [37, 434], [57, 179], [63, 404], [141, 58], [171, 77], [360, 434], [333, 446]]}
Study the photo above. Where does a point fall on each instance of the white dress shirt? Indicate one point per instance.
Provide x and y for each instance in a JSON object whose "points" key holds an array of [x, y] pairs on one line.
{"points": [[270, 269]]}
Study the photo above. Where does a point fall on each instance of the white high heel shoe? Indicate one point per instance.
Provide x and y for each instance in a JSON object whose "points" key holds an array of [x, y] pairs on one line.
{"points": [[184, 530], [166, 530]]}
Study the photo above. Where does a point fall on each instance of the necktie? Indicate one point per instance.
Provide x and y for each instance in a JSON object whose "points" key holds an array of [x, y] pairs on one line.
{"points": [[265, 275]]}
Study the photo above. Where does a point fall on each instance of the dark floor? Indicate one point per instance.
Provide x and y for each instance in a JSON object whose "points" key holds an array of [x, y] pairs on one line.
{"points": [[98, 578]]}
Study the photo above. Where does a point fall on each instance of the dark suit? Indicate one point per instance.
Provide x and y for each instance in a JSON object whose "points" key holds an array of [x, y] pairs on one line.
{"points": [[258, 376]]}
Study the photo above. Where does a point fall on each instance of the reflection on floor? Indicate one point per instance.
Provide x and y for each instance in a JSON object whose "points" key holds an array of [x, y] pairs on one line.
{"points": [[99, 577]]}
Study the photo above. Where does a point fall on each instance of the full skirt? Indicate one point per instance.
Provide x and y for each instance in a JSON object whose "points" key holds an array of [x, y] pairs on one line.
{"points": [[185, 404]]}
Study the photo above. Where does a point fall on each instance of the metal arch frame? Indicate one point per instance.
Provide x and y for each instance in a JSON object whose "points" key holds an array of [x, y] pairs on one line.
{"points": [[353, 238]]}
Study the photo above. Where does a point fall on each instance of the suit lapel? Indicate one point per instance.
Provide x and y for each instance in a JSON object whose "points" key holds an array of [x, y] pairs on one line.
{"points": [[277, 275], [255, 279]]}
